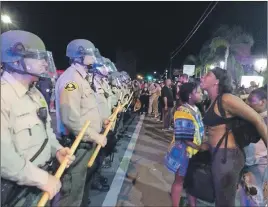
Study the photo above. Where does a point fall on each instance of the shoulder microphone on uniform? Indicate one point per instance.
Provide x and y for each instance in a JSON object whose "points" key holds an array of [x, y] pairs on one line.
{"points": [[42, 114]]}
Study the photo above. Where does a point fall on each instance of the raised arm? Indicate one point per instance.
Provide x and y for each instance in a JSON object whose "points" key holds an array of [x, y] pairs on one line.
{"points": [[237, 107]]}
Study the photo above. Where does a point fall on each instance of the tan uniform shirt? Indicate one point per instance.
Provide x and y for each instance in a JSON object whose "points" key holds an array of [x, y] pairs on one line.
{"points": [[23, 133], [108, 90], [115, 96], [152, 89], [101, 99], [125, 92], [76, 103]]}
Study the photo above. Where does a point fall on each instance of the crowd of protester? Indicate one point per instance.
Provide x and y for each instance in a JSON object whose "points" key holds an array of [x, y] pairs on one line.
{"points": [[203, 116], [160, 99]]}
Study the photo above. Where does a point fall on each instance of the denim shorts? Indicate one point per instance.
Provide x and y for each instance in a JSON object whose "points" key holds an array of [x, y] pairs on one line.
{"points": [[177, 159]]}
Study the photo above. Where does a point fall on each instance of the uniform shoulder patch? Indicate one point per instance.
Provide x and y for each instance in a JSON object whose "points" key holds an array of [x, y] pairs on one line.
{"points": [[71, 86]]}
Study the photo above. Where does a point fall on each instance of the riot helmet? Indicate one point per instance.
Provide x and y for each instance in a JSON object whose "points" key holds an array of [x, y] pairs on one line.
{"points": [[83, 52], [25, 53]]}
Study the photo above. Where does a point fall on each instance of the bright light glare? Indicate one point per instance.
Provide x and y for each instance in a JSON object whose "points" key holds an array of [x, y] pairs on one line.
{"points": [[154, 72], [212, 67], [166, 71], [6, 19], [261, 64], [222, 64], [245, 80]]}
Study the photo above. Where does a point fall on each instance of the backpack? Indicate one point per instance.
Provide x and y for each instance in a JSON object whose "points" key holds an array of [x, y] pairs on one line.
{"points": [[244, 132]]}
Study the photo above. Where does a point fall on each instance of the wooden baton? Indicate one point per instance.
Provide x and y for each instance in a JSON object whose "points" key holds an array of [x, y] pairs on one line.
{"points": [[97, 150], [114, 116], [63, 165]]}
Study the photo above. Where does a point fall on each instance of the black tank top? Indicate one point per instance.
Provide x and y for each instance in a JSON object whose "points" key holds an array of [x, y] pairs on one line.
{"points": [[212, 119]]}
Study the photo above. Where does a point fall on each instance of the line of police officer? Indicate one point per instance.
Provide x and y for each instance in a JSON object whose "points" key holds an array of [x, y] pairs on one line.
{"points": [[88, 90]]}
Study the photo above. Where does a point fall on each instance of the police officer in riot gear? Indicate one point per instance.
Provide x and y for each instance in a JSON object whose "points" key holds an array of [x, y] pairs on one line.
{"points": [[75, 104], [126, 91], [97, 73], [27, 139], [104, 94]]}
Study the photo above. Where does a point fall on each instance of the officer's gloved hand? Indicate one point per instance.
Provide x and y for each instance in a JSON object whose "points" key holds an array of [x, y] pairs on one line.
{"points": [[53, 186], [102, 140]]}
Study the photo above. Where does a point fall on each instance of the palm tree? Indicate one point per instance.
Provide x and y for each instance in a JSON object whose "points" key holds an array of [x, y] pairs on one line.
{"points": [[206, 58], [237, 44], [218, 42]]}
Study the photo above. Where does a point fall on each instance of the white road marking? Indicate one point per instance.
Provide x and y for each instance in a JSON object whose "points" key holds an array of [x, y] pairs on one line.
{"points": [[115, 188]]}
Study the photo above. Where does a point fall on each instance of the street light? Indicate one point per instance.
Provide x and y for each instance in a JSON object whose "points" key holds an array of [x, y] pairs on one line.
{"points": [[149, 78], [6, 19], [261, 64], [154, 72]]}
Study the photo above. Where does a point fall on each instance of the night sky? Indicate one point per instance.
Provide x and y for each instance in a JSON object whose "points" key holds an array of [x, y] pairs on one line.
{"points": [[150, 29]]}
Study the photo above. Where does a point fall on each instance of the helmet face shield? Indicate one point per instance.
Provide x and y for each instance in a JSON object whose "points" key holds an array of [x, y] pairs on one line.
{"points": [[40, 63], [114, 69], [114, 79], [36, 54], [86, 51], [51, 69], [104, 70], [118, 82], [125, 77], [100, 69], [97, 57]]}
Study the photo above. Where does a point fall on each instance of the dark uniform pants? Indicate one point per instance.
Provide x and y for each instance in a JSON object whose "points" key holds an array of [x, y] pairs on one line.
{"points": [[74, 181], [31, 199]]}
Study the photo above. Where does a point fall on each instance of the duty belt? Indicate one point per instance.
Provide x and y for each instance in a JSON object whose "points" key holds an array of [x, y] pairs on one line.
{"points": [[67, 141]]}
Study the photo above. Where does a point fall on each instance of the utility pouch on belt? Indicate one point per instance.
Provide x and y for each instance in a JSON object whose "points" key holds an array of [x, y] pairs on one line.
{"points": [[67, 141]]}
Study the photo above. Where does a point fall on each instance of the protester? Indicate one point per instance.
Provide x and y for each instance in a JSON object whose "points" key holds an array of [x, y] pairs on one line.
{"points": [[160, 103], [144, 98], [168, 104], [184, 78], [228, 161], [188, 134], [153, 96], [255, 172], [155, 101]]}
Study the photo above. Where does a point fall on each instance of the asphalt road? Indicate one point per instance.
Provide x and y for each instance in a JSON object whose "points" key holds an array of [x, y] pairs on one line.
{"points": [[138, 176]]}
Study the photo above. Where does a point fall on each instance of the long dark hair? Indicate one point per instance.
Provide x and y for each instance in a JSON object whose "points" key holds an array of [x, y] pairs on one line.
{"points": [[225, 81]]}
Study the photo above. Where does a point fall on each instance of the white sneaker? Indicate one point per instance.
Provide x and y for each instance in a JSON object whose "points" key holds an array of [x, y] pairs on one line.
{"points": [[170, 129]]}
